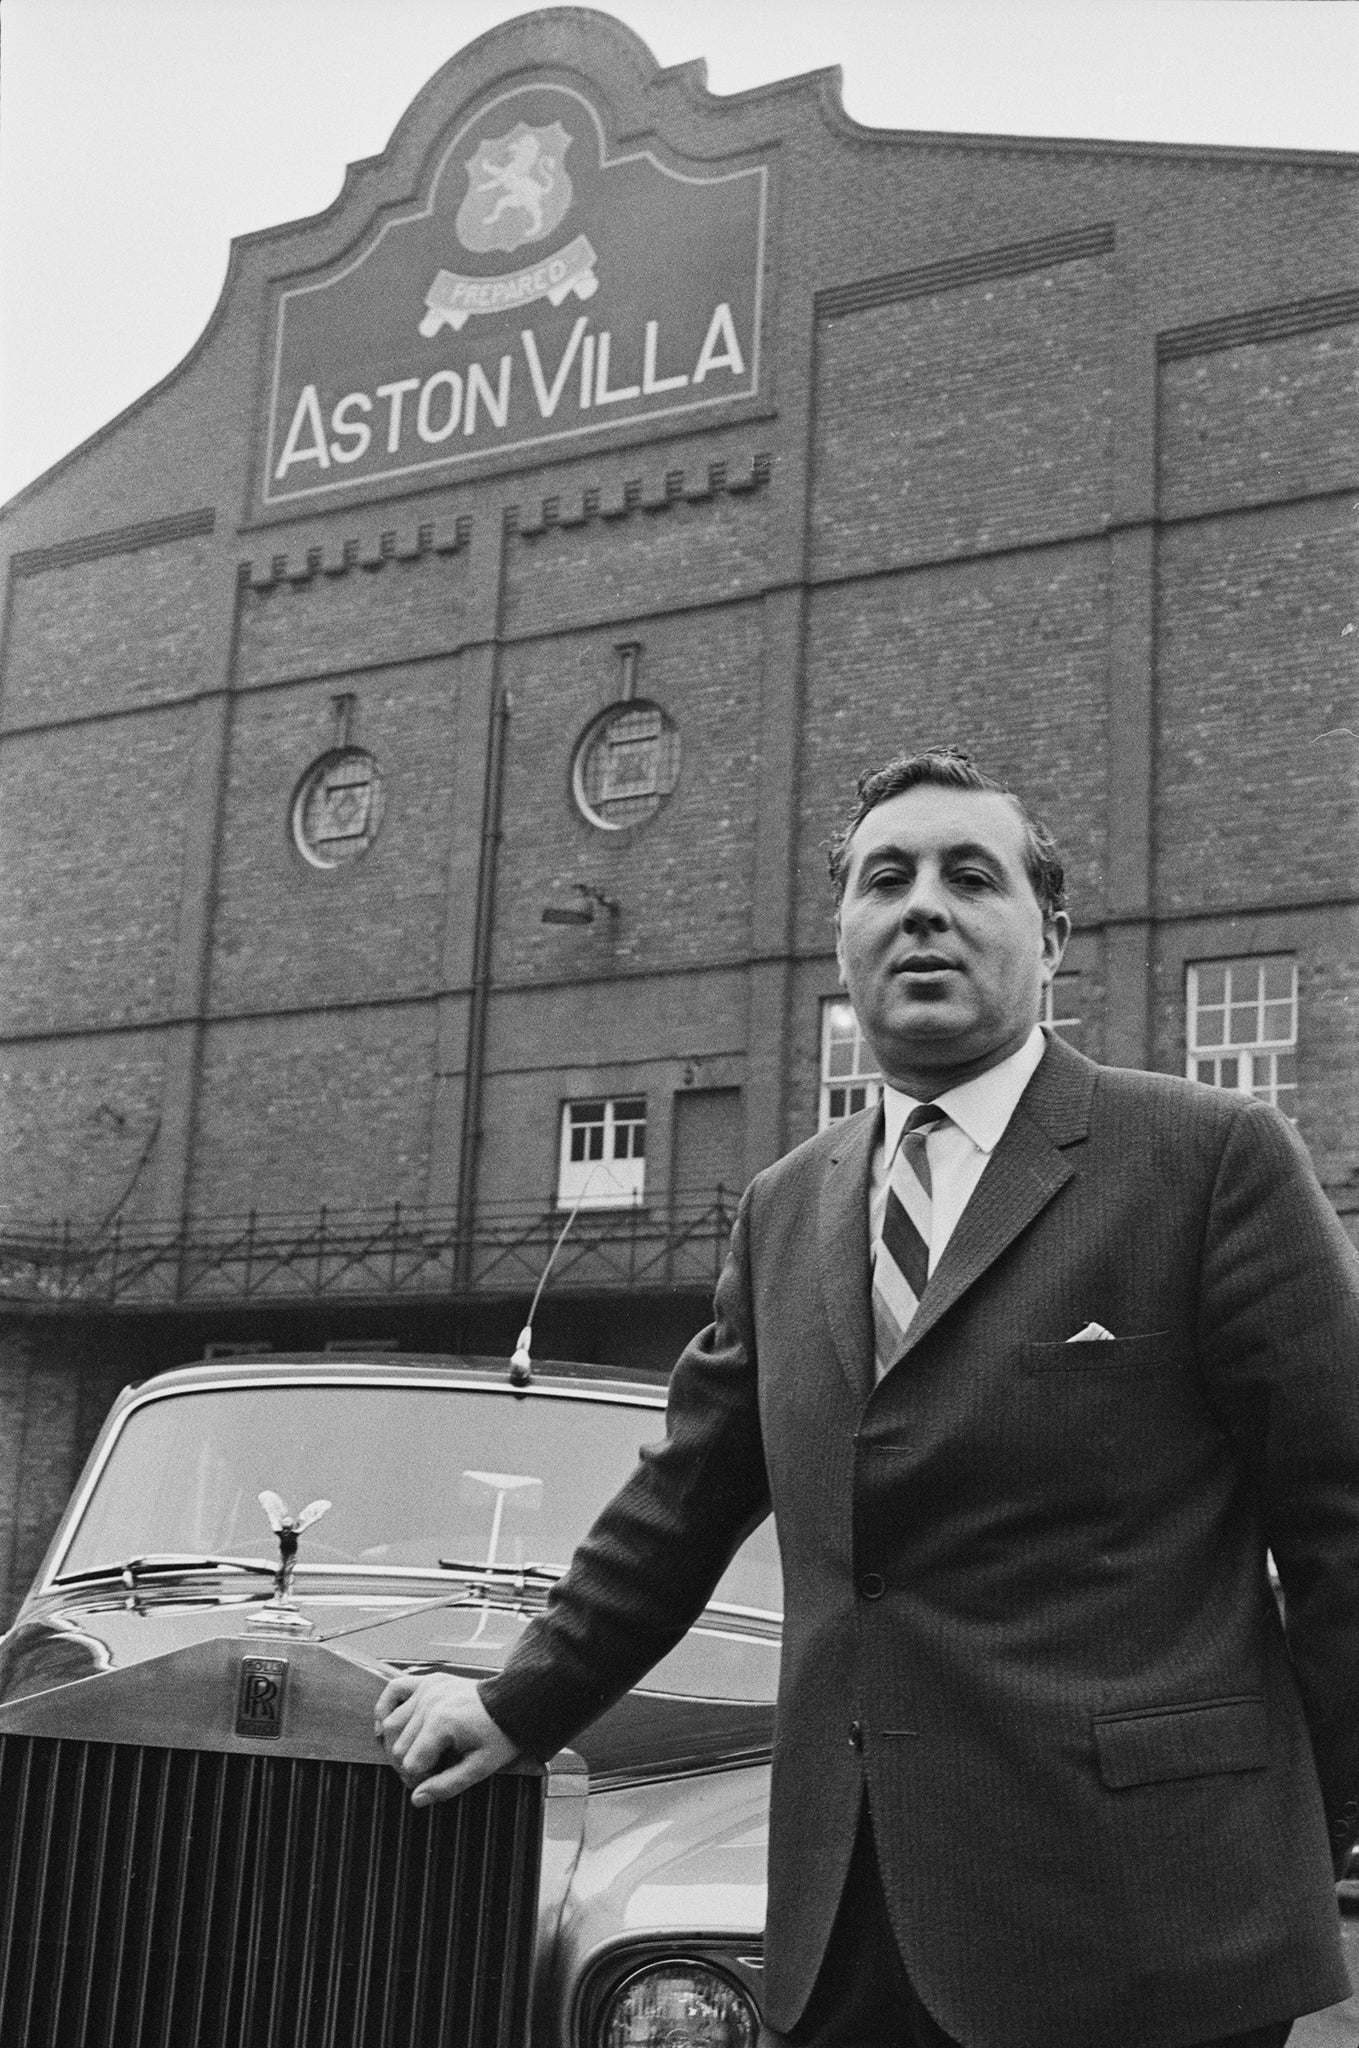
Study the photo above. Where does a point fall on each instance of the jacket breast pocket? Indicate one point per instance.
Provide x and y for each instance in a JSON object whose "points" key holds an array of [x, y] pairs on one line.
{"points": [[1153, 1352], [1154, 1745]]}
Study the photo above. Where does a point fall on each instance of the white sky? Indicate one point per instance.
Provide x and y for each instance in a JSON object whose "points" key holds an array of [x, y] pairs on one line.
{"points": [[137, 136]]}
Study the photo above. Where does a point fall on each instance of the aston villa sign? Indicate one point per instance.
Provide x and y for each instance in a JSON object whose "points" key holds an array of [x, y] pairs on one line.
{"points": [[548, 287]]}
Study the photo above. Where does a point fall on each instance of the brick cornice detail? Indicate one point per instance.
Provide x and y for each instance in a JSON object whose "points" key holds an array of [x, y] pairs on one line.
{"points": [[1013, 259], [657, 493], [1263, 323], [117, 540], [338, 557]]}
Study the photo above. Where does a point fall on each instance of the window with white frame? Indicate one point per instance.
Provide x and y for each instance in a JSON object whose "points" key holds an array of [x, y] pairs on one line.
{"points": [[1061, 1007], [603, 1153], [850, 1079], [1242, 1018]]}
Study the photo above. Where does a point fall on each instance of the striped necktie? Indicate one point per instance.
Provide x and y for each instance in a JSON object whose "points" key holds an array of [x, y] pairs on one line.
{"points": [[901, 1256]]}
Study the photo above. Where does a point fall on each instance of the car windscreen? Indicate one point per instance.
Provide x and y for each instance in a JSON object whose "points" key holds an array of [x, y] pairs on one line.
{"points": [[414, 1474]]}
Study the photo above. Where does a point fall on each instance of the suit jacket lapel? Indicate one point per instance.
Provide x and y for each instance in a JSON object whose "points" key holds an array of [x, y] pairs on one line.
{"points": [[843, 1247], [1021, 1177]]}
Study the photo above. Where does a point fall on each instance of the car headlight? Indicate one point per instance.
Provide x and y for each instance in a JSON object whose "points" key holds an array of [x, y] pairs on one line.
{"points": [[678, 2004]]}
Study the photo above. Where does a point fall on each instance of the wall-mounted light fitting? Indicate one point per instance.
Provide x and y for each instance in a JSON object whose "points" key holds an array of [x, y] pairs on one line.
{"points": [[582, 912]]}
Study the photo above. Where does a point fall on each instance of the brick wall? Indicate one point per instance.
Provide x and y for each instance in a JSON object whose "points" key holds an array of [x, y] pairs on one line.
{"points": [[973, 419], [605, 550], [1264, 420], [38, 1426], [647, 1035], [331, 1106], [92, 821], [1328, 1037], [76, 1116], [57, 1381], [287, 933], [119, 632], [375, 609], [1257, 789], [682, 881]]}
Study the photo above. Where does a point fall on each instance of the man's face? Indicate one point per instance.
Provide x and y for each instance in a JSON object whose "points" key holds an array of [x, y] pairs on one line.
{"points": [[942, 944]]}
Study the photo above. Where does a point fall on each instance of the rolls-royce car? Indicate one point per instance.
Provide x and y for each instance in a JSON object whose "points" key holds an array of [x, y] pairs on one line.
{"points": [[201, 1841]]}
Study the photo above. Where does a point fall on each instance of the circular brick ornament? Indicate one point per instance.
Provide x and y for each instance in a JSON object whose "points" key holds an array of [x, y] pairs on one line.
{"points": [[337, 808], [626, 764]]}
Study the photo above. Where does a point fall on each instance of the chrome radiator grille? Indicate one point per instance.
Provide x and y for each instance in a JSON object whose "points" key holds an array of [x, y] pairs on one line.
{"points": [[156, 1898]]}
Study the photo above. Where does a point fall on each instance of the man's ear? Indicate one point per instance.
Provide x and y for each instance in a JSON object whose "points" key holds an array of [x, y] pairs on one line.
{"points": [[1056, 932]]}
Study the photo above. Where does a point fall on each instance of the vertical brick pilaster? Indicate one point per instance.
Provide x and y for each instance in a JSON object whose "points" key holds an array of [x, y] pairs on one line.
{"points": [[172, 1161], [478, 667], [771, 908], [1130, 739], [782, 715], [1128, 861]]}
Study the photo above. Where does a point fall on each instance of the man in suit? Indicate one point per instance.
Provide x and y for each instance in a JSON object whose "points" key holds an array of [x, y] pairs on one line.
{"points": [[1034, 1365]]}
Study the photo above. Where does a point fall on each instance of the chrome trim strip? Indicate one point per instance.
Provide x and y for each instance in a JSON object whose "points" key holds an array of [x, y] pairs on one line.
{"points": [[620, 1779]]}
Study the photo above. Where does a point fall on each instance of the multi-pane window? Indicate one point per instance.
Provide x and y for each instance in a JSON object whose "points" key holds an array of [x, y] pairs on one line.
{"points": [[1243, 1026], [1061, 1009], [849, 1073], [603, 1153]]}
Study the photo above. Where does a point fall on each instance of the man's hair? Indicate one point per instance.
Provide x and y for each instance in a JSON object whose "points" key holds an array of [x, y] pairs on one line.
{"points": [[951, 768]]}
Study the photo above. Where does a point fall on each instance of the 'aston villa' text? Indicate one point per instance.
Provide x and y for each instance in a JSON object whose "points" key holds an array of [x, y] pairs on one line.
{"points": [[413, 413]]}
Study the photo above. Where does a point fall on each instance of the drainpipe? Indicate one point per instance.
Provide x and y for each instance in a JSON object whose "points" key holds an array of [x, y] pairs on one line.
{"points": [[470, 1145]]}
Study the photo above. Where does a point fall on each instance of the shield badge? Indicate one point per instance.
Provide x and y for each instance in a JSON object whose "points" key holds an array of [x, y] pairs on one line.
{"points": [[518, 189]]}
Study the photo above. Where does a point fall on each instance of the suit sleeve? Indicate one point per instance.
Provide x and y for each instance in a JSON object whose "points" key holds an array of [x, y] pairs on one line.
{"points": [[1279, 1337], [643, 1574]]}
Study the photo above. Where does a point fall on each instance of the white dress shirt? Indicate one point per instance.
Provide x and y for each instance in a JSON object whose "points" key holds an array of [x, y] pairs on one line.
{"points": [[957, 1151]]}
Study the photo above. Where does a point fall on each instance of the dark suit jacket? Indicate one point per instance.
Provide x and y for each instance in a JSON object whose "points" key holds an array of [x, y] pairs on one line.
{"points": [[1101, 1778]]}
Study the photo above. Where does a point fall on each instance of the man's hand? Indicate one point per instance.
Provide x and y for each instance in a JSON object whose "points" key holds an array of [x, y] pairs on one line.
{"points": [[419, 1720]]}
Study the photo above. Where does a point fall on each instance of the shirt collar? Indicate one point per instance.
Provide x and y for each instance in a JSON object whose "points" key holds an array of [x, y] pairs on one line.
{"points": [[981, 1108]]}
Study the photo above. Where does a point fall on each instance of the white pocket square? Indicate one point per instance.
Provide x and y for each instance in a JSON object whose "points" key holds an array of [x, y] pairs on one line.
{"points": [[1093, 1333]]}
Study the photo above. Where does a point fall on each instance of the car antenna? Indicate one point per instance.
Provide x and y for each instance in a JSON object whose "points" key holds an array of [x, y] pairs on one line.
{"points": [[521, 1362]]}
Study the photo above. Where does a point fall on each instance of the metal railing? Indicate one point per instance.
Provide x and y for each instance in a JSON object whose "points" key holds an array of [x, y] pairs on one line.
{"points": [[368, 1254]]}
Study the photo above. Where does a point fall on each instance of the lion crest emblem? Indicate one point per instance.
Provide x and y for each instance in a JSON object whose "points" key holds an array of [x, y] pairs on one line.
{"points": [[518, 189]]}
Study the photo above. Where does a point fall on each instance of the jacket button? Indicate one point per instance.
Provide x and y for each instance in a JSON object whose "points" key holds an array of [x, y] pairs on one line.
{"points": [[856, 1735], [872, 1585]]}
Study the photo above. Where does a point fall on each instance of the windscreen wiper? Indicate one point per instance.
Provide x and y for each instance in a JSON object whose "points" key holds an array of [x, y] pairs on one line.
{"points": [[135, 1568], [515, 1574], [515, 1578]]}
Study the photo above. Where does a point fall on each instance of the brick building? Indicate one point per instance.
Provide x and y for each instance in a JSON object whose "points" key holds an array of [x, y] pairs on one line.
{"points": [[422, 715]]}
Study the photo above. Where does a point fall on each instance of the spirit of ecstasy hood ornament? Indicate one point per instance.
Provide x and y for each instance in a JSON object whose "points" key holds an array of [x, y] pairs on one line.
{"points": [[280, 1610]]}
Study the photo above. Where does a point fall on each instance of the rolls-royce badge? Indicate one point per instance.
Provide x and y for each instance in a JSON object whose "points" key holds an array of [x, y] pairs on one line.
{"points": [[260, 1698]]}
